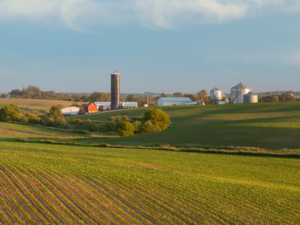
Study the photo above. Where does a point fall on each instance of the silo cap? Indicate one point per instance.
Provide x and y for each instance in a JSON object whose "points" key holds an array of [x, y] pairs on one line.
{"points": [[116, 72]]}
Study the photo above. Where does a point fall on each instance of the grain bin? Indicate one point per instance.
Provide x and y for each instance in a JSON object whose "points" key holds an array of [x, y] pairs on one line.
{"points": [[250, 98], [238, 92], [215, 94], [115, 90]]}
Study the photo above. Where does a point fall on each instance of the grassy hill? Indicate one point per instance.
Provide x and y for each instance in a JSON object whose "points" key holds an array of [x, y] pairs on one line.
{"points": [[265, 125], [41, 184]]}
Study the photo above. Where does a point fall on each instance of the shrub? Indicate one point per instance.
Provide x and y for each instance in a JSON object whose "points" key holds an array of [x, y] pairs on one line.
{"points": [[112, 119], [15, 107], [92, 127], [55, 112], [67, 126], [68, 120], [8, 113], [118, 119], [102, 128], [110, 126], [81, 123], [148, 127], [137, 127], [157, 117], [125, 128], [23, 119], [59, 123], [34, 119], [126, 118], [137, 118], [48, 122]]}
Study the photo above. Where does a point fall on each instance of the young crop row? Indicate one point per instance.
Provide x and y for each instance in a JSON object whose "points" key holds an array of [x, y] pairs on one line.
{"points": [[41, 187]]}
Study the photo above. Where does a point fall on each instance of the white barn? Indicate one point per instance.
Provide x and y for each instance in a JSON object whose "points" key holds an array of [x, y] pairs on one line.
{"points": [[127, 105], [72, 110], [165, 101], [103, 105]]}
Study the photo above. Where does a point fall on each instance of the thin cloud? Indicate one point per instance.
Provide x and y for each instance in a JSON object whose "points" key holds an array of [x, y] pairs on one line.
{"points": [[76, 14]]}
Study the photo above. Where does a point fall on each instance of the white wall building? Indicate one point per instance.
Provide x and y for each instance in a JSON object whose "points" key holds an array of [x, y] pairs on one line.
{"points": [[104, 105], [127, 105], [72, 110], [165, 101]]}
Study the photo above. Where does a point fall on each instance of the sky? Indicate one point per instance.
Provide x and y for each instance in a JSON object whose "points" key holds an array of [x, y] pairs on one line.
{"points": [[157, 45]]}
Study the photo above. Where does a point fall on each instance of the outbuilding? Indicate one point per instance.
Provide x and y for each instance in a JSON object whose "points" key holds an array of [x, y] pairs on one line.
{"points": [[126, 105], [90, 108], [103, 105], [72, 110], [165, 101]]}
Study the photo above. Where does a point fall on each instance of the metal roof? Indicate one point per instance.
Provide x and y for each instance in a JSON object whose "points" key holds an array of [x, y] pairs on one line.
{"points": [[240, 86], [102, 103], [176, 99], [216, 89]]}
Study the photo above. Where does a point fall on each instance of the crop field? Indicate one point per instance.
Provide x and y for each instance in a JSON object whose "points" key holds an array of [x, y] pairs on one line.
{"points": [[41, 183], [264, 125]]}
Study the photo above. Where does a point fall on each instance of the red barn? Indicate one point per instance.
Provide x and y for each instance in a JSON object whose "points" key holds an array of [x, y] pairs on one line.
{"points": [[89, 108]]}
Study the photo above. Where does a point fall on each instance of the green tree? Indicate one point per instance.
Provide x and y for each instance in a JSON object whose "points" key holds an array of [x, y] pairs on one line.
{"points": [[148, 127], [3, 96], [15, 107], [163, 95], [100, 97], [201, 95], [8, 113], [191, 96], [110, 126], [55, 112], [125, 128], [178, 94], [137, 127], [157, 117], [131, 98]]}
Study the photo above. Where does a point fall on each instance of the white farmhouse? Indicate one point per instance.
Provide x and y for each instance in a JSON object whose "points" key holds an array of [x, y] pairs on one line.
{"points": [[173, 101], [72, 110]]}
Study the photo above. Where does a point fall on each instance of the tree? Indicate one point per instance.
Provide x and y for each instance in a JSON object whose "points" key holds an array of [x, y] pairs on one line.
{"points": [[100, 97], [286, 97], [131, 98], [163, 95], [191, 96], [84, 98], [125, 128], [269, 99], [55, 112], [8, 113], [148, 127], [15, 107], [178, 94], [3, 96], [157, 117], [201, 95]]}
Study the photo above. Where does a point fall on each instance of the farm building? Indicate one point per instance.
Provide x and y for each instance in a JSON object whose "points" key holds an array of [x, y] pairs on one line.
{"points": [[103, 105], [126, 105], [90, 108], [72, 110], [173, 101]]}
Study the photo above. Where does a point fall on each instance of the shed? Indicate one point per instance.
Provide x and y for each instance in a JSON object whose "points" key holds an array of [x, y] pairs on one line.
{"points": [[126, 105], [165, 101], [89, 108], [72, 110], [103, 105]]}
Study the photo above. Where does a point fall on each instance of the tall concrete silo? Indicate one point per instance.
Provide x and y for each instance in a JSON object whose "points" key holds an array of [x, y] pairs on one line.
{"points": [[238, 92], [250, 98], [115, 90], [216, 94]]}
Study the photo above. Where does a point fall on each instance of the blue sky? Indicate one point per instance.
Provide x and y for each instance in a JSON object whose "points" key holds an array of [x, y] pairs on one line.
{"points": [[157, 45]]}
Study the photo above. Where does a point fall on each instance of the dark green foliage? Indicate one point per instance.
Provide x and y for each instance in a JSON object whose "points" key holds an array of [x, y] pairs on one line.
{"points": [[125, 128], [269, 99], [8, 113], [100, 97], [75, 121], [102, 128], [137, 118], [112, 118], [157, 117], [55, 112], [118, 119], [92, 127], [59, 123], [110, 126], [68, 120]]}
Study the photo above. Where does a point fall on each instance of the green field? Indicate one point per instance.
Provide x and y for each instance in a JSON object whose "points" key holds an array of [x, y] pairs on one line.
{"points": [[61, 184], [75, 185], [264, 125]]}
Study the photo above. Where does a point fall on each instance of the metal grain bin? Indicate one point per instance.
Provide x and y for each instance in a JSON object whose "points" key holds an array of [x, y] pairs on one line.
{"points": [[115, 90], [215, 94], [250, 98], [238, 92]]}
